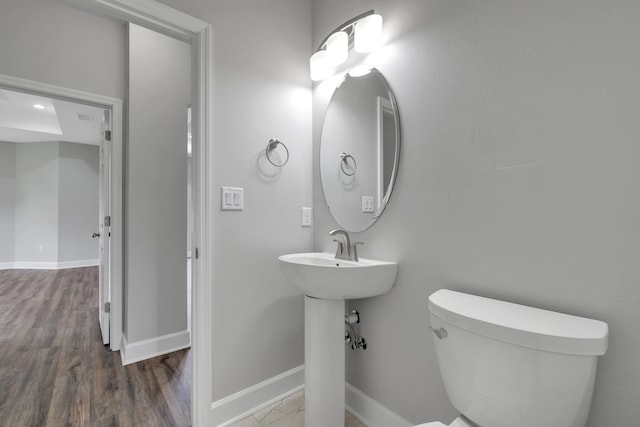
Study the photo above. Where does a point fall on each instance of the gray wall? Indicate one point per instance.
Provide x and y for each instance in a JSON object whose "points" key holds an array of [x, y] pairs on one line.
{"points": [[78, 182], [518, 180], [54, 201], [36, 202], [156, 189], [49, 42], [262, 91], [7, 201]]}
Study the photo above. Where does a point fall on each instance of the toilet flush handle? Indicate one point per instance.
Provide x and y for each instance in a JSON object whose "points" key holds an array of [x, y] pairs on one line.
{"points": [[440, 333]]}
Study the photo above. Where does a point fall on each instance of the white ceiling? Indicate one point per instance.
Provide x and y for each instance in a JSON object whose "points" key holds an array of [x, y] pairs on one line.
{"points": [[59, 120]]}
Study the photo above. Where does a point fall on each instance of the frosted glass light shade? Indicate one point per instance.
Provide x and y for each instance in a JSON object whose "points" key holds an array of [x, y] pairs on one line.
{"points": [[319, 66], [368, 34], [338, 48]]}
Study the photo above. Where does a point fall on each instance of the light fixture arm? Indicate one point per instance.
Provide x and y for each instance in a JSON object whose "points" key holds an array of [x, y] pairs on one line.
{"points": [[347, 27]]}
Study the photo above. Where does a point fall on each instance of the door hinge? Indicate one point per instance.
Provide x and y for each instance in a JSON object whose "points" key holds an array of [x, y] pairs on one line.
{"points": [[197, 253], [107, 221], [107, 307], [107, 135]]}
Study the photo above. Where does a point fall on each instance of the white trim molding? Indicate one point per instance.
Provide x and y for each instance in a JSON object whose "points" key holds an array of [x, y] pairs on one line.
{"points": [[147, 13], [370, 411], [143, 350], [244, 403], [158, 17], [78, 263], [252, 399], [30, 265]]}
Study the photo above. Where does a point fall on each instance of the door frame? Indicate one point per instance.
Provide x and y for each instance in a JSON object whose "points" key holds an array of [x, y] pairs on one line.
{"points": [[115, 105], [199, 34]]}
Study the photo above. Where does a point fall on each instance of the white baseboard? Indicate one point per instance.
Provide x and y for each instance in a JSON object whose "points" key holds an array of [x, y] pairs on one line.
{"points": [[7, 265], [233, 408], [78, 263], [240, 405], [371, 412], [142, 350], [28, 265], [50, 265]]}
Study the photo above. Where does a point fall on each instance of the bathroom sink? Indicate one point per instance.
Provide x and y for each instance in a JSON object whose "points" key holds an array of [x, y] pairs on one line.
{"points": [[321, 275]]}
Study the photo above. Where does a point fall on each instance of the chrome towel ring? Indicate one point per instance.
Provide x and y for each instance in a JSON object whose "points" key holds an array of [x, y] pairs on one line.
{"points": [[272, 145], [343, 161]]}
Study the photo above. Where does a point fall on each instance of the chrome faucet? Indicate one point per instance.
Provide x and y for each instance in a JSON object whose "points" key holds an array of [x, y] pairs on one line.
{"points": [[345, 250]]}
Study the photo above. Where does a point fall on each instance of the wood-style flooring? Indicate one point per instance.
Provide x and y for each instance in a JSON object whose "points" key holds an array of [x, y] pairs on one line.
{"points": [[54, 370]]}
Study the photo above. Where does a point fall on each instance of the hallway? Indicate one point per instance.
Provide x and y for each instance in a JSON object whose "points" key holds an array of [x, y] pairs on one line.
{"points": [[55, 371]]}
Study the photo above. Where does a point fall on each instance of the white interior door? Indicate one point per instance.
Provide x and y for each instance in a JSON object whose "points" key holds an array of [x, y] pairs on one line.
{"points": [[104, 233]]}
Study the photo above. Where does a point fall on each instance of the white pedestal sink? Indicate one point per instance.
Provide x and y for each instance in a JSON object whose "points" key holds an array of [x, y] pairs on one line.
{"points": [[326, 282]]}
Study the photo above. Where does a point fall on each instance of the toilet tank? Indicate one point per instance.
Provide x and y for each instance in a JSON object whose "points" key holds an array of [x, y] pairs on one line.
{"points": [[507, 365]]}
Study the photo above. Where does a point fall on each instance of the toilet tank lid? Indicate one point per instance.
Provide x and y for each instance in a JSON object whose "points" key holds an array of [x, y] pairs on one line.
{"points": [[522, 325]]}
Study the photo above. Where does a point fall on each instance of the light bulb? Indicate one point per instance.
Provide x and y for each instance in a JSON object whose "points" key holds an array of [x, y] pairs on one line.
{"points": [[338, 48], [368, 34], [319, 66]]}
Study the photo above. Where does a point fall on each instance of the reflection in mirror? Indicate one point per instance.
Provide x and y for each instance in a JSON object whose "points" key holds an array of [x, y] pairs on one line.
{"points": [[359, 150]]}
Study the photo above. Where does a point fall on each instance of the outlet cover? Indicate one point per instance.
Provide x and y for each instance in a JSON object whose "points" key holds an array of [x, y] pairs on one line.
{"points": [[307, 217]]}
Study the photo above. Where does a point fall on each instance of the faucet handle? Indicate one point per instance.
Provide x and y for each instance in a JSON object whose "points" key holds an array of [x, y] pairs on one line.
{"points": [[354, 250]]}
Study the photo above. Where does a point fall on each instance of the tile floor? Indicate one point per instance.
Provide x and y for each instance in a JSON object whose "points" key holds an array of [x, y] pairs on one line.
{"points": [[287, 413]]}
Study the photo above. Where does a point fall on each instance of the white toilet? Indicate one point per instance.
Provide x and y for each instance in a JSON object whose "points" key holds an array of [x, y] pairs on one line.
{"points": [[509, 365]]}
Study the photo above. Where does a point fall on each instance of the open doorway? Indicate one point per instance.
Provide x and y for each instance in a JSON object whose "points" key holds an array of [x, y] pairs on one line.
{"points": [[199, 35], [60, 183], [68, 128]]}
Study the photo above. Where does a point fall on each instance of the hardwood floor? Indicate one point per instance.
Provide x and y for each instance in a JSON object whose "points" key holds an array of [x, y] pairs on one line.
{"points": [[54, 370]]}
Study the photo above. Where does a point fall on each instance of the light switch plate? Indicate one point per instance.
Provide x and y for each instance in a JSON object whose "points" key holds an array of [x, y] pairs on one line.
{"points": [[307, 217], [367, 204], [232, 199]]}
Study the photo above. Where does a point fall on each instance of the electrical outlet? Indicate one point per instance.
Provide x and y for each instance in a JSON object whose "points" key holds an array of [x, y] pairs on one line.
{"points": [[307, 217]]}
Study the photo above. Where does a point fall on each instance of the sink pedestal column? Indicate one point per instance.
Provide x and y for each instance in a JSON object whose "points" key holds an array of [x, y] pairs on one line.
{"points": [[324, 355]]}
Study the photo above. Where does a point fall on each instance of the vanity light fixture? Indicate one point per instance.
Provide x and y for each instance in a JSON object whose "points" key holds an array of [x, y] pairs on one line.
{"points": [[362, 33], [368, 34], [38, 106], [360, 70], [337, 48]]}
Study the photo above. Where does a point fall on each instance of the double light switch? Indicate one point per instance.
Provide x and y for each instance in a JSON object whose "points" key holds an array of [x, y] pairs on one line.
{"points": [[232, 199]]}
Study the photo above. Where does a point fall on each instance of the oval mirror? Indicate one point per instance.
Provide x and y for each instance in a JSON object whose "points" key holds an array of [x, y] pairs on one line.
{"points": [[359, 150]]}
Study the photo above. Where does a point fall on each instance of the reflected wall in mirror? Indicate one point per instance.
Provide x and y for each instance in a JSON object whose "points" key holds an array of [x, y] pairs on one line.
{"points": [[359, 150]]}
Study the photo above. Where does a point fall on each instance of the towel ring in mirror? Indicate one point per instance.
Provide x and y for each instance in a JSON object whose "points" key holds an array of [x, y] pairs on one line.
{"points": [[344, 161], [272, 145]]}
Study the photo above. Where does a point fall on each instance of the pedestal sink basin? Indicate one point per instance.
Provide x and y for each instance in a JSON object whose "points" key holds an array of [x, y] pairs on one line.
{"points": [[321, 275], [326, 282]]}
